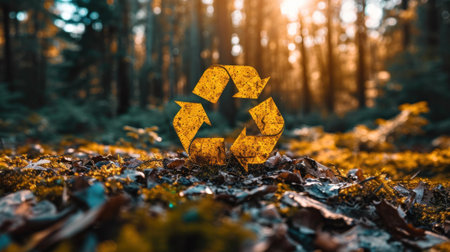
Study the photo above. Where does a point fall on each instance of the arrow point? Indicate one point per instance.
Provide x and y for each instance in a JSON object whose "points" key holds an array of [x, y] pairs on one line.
{"points": [[236, 142], [203, 112], [181, 103], [262, 85], [198, 107], [206, 120], [243, 163], [264, 82], [239, 138], [239, 94]]}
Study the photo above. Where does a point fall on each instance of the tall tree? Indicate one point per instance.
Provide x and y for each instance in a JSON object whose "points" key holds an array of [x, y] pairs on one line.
{"points": [[157, 85], [123, 78], [196, 65], [35, 95], [146, 75], [222, 12], [108, 34], [330, 88], [406, 25], [320, 57], [361, 42], [9, 74], [306, 91], [247, 44], [259, 25], [444, 38], [432, 23], [171, 72]]}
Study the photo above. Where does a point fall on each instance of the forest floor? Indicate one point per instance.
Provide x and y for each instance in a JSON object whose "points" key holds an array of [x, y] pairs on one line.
{"points": [[319, 191]]}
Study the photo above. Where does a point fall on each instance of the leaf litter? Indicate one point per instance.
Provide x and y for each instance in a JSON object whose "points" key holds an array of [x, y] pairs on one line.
{"points": [[86, 196]]}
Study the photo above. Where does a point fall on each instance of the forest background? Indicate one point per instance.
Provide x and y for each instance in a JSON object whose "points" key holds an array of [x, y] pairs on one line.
{"points": [[88, 68]]}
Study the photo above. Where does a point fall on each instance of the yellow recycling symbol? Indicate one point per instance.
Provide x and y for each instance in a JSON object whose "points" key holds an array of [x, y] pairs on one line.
{"points": [[246, 149]]}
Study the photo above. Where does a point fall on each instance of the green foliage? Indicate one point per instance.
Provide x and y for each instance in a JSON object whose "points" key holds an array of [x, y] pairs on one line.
{"points": [[67, 116], [11, 111], [417, 78], [140, 119], [340, 123], [422, 72]]}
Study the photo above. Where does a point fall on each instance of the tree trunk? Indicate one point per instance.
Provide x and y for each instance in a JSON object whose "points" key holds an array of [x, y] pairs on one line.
{"points": [[330, 90], [107, 71], [146, 74], [306, 91], [43, 73], [227, 104], [9, 74], [320, 60], [274, 52], [432, 24], [247, 31], [406, 26], [195, 46], [156, 86], [171, 72], [444, 41], [361, 66], [259, 63], [36, 95], [123, 78]]}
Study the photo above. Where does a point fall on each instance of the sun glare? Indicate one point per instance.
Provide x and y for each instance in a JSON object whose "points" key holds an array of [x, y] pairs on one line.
{"points": [[291, 8], [348, 11]]}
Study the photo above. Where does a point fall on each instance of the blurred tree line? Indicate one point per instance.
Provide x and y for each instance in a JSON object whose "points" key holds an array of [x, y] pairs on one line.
{"points": [[91, 67]]}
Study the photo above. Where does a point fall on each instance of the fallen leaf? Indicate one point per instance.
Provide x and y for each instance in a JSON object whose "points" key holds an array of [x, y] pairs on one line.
{"points": [[175, 163], [299, 200], [396, 224]]}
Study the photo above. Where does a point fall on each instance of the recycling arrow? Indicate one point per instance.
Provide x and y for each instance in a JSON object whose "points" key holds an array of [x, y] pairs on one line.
{"points": [[212, 83], [253, 149], [246, 149], [208, 151], [247, 81], [188, 121], [256, 149], [267, 117], [215, 79]]}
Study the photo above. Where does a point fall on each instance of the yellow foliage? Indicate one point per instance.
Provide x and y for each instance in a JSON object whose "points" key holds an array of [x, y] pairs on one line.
{"points": [[200, 224], [162, 193], [131, 240], [372, 150], [143, 135]]}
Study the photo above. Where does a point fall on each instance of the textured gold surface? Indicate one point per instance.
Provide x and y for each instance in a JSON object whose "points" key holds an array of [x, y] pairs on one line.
{"points": [[212, 83], [208, 151], [267, 117], [253, 149], [247, 81], [246, 149], [188, 121]]}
